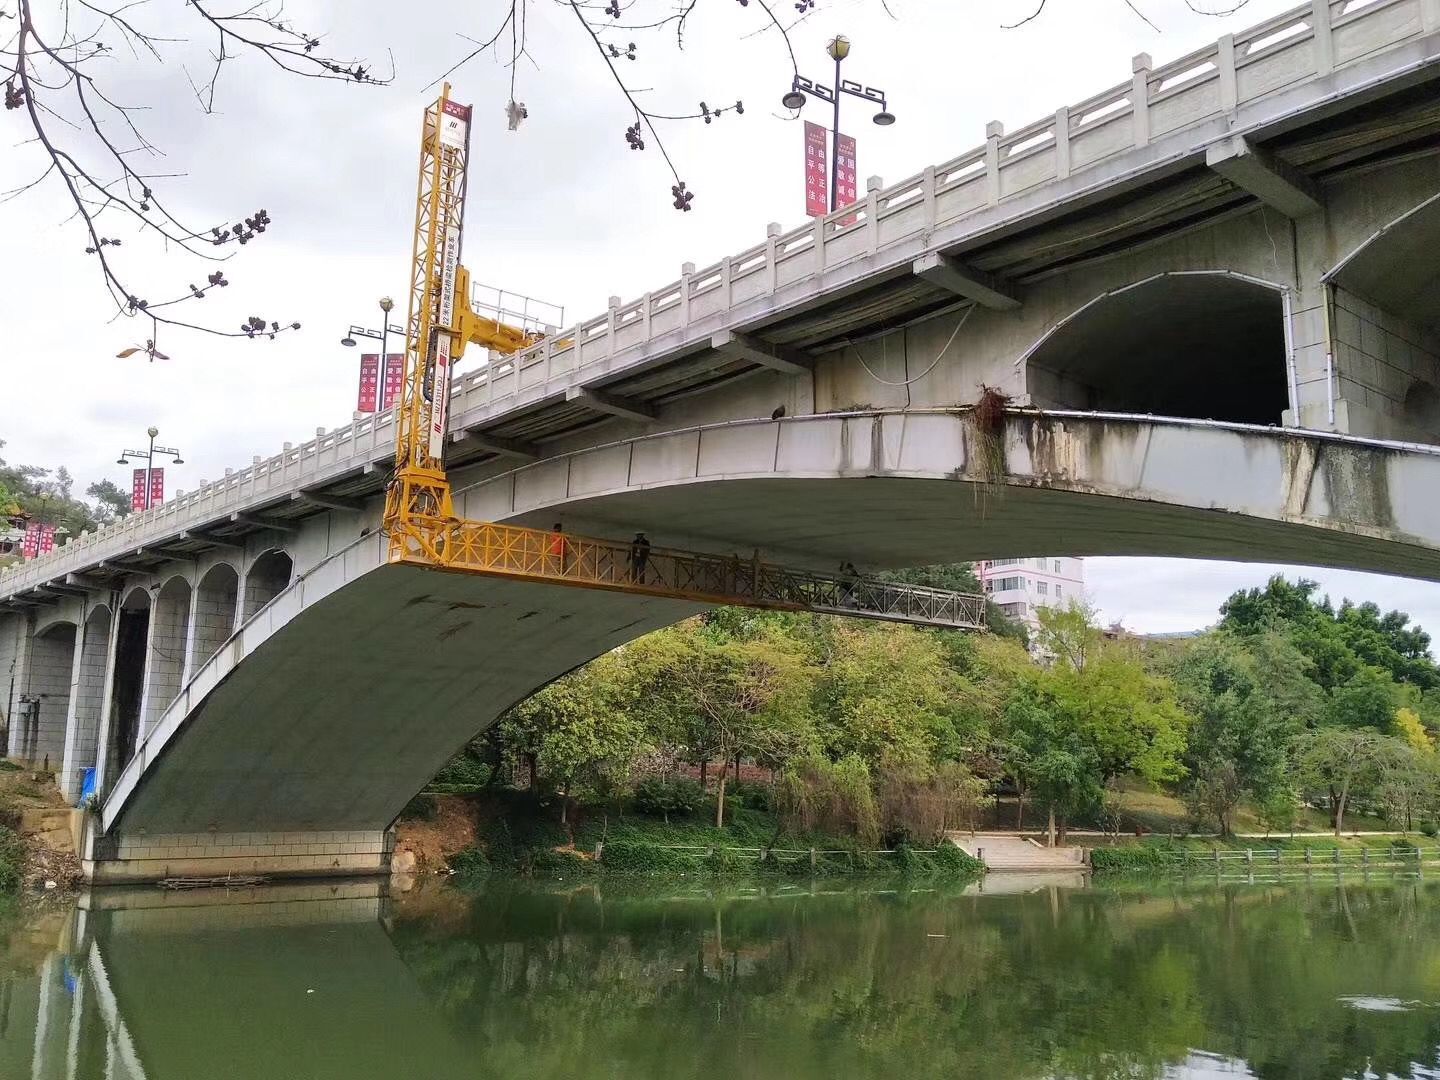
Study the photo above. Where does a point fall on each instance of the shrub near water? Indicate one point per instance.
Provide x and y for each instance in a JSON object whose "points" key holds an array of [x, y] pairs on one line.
{"points": [[12, 859], [657, 797], [1136, 857]]}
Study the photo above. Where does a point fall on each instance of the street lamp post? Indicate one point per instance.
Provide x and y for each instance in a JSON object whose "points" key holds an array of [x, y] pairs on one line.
{"points": [[148, 456], [839, 49], [382, 335]]}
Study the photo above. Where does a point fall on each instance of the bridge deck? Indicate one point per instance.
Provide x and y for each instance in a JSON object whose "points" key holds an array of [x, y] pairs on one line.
{"points": [[799, 286]]}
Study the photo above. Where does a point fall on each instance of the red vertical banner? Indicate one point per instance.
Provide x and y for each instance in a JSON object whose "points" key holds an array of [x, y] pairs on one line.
{"points": [[157, 486], [817, 189], [847, 189], [369, 382], [137, 490], [30, 545], [46, 539], [394, 379]]}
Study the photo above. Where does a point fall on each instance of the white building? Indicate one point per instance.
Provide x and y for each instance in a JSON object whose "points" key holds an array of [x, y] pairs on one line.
{"points": [[1021, 586]]}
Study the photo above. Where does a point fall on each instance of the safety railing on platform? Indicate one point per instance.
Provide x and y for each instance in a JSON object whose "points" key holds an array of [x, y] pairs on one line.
{"points": [[1305, 43], [563, 558]]}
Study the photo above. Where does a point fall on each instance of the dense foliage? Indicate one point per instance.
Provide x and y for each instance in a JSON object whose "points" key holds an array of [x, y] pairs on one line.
{"points": [[29, 492], [12, 859], [890, 734]]}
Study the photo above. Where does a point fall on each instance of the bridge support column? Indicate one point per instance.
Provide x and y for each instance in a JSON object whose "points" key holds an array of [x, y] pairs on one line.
{"points": [[105, 767], [87, 692], [165, 651], [14, 666], [142, 857], [52, 658]]}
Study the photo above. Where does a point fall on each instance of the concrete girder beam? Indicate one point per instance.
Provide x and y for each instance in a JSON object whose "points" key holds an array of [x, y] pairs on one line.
{"points": [[954, 276], [777, 357], [84, 581], [328, 502], [1270, 180], [214, 541], [264, 521], [495, 444], [600, 401], [62, 589]]}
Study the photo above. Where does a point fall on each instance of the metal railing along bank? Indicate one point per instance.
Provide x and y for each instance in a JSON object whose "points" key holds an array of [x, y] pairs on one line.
{"points": [[1305, 44]]}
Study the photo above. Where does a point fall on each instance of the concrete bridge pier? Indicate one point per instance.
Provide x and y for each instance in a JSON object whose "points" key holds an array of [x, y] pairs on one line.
{"points": [[138, 856]]}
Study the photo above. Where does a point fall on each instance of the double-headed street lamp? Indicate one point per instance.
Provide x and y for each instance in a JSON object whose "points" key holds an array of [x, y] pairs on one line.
{"points": [[148, 456], [839, 49], [382, 335]]}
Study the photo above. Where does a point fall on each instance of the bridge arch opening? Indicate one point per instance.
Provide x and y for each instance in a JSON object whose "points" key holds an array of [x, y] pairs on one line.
{"points": [[216, 600], [132, 635], [1204, 346], [52, 659], [169, 635], [1385, 323], [268, 577]]}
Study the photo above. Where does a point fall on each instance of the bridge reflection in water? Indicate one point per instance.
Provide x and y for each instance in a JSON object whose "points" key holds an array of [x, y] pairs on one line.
{"points": [[286, 982], [1329, 976]]}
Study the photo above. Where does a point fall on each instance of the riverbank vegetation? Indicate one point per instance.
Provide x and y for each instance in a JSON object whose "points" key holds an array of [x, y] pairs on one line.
{"points": [[1292, 712], [519, 832]]}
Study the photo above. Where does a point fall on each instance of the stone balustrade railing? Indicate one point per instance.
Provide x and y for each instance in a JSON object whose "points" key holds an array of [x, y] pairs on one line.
{"points": [[1306, 43]]}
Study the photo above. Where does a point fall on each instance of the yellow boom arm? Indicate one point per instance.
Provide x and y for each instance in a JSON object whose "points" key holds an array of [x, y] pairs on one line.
{"points": [[439, 325]]}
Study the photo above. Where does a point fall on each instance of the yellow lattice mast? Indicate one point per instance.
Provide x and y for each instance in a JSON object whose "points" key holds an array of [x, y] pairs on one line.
{"points": [[420, 521], [440, 323]]}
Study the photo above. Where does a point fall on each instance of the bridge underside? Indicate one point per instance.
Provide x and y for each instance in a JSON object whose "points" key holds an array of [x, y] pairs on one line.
{"points": [[900, 522], [304, 754], [296, 757]]}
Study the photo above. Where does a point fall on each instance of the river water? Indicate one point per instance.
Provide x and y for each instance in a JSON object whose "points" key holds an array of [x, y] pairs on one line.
{"points": [[1313, 978]]}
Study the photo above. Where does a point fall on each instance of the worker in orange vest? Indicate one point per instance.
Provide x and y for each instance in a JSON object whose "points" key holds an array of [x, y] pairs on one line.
{"points": [[557, 550]]}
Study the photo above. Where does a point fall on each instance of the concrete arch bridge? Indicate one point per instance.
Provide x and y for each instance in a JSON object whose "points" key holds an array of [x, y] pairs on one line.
{"points": [[294, 745], [1208, 288]]}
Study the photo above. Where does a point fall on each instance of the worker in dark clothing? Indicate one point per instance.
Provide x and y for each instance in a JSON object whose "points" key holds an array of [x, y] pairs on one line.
{"points": [[639, 558], [849, 579]]}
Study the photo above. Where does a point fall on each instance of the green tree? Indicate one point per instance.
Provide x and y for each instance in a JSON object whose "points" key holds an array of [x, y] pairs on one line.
{"points": [[1049, 756], [1344, 761], [1366, 699], [1245, 707], [1069, 634], [584, 731], [887, 694], [111, 503], [747, 696], [1338, 642], [1129, 717]]}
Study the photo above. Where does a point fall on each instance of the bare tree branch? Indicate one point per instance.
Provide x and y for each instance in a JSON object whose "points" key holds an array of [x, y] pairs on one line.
{"points": [[48, 78], [599, 22]]}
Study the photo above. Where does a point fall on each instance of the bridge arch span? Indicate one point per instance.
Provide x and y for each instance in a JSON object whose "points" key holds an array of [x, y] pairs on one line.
{"points": [[267, 576], [1211, 344], [59, 616], [338, 700]]}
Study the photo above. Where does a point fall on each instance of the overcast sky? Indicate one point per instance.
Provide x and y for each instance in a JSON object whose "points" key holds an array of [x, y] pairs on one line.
{"points": [[560, 210]]}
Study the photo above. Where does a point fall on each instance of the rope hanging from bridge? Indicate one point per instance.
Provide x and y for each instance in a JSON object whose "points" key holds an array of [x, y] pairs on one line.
{"points": [[933, 364]]}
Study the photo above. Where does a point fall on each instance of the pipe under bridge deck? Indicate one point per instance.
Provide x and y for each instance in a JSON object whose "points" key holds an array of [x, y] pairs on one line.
{"points": [[513, 551]]}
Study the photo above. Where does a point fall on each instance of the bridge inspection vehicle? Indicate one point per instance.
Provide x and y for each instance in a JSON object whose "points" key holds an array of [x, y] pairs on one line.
{"points": [[420, 522]]}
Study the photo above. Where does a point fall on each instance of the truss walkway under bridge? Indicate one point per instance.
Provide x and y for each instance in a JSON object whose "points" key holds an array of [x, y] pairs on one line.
{"points": [[513, 551]]}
